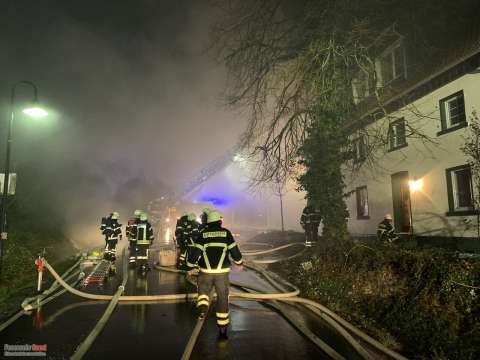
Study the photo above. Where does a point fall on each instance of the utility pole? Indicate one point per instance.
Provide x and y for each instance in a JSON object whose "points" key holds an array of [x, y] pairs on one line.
{"points": [[281, 211]]}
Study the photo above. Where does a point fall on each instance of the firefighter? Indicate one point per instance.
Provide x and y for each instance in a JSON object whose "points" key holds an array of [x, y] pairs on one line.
{"points": [[113, 233], [310, 221], [191, 233], [180, 232], [130, 232], [203, 218], [143, 237], [211, 254], [386, 231]]}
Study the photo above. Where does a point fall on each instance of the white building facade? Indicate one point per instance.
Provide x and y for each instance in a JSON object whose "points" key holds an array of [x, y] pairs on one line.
{"points": [[419, 174]]}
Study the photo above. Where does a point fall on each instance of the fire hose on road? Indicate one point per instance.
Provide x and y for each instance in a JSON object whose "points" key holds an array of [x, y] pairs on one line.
{"points": [[45, 297], [331, 318]]}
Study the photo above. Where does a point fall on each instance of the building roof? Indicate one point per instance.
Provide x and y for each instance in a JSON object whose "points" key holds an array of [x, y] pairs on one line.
{"points": [[447, 66]]}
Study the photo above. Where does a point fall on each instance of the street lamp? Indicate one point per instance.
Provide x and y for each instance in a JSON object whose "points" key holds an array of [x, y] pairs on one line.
{"points": [[34, 111]]}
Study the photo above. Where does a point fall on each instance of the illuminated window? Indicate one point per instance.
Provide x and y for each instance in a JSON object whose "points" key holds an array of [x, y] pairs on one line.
{"points": [[362, 203], [459, 186]]}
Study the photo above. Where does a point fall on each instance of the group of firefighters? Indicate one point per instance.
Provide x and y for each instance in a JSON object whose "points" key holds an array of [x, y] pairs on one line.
{"points": [[139, 234], [205, 248]]}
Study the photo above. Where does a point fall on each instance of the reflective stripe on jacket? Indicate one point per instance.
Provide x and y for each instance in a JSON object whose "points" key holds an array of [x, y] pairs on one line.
{"points": [[212, 249]]}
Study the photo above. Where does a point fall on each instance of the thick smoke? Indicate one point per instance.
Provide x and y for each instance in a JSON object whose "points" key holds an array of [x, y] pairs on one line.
{"points": [[135, 101]]}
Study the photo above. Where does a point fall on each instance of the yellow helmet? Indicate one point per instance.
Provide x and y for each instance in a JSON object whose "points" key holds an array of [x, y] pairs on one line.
{"points": [[214, 216]]}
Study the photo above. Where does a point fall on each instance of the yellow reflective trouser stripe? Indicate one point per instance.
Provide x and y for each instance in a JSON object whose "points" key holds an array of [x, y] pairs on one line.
{"points": [[200, 297], [232, 245], [143, 242], [202, 303], [223, 322], [222, 315]]}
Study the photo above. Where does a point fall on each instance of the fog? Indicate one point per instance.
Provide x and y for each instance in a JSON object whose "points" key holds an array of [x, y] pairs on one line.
{"points": [[135, 104]]}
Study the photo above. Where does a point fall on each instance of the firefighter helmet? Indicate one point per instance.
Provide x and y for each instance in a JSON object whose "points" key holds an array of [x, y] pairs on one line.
{"points": [[115, 215], [143, 217], [192, 217], [388, 217], [214, 216], [206, 210], [137, 212]]}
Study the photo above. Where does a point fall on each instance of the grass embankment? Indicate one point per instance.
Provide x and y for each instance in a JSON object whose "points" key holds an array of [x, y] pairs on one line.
{"points": [[418, 302], [18, 279]]}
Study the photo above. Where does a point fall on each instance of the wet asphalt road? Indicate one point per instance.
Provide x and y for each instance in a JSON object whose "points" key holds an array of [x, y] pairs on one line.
{"points": [[161, 330]]}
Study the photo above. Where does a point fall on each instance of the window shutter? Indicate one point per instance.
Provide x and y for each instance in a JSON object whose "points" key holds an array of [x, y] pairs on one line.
{"points": [[443, 117], [451, 205], [401, 133]]}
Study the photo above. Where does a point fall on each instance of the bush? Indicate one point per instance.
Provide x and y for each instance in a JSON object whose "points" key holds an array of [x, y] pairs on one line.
{"points": [[413, 300]]}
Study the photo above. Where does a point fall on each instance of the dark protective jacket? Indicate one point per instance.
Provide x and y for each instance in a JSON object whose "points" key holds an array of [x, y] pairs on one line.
{"points": [[191, 232], [310, 216], [180, 229], [386, 231], [130, 228], [212, 249], [143, 233], [111, 228]]}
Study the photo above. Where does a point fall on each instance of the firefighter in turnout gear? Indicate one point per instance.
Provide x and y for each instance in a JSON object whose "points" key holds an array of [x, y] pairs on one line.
{"points": [[113, 233], [385, 230], [203, 219], [130, 232], [191, 234], [144, 237], [181, 232], [310, 221], [211, 254]]}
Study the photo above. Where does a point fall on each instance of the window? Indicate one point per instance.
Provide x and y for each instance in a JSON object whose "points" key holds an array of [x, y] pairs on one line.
{"points": [[361, 86], [359, 151], [459, 187], [391, 65], [396, 134], [452, 112], [362, 203]]}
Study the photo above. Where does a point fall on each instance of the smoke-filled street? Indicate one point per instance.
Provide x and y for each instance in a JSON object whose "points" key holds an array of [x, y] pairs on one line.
{"points": [[240, 179]]}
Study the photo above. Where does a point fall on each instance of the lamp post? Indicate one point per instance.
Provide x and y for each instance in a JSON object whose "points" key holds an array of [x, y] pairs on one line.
{"points": [[33, 111], [279, 187]]}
